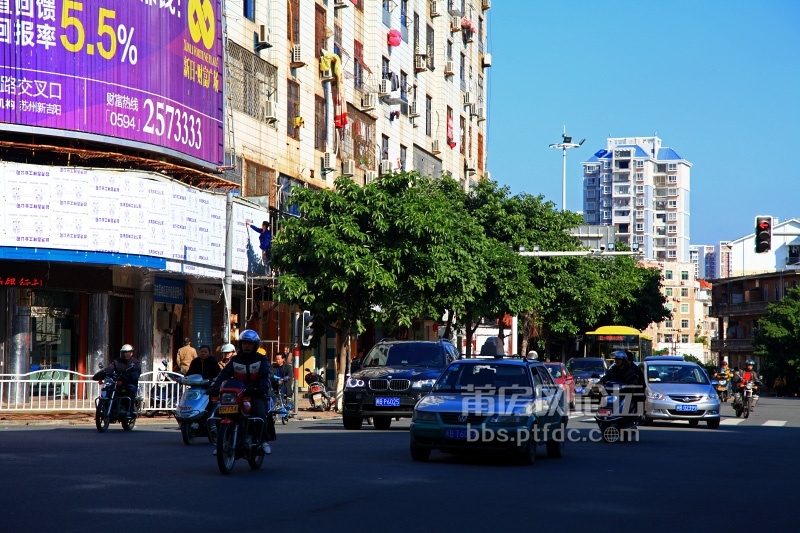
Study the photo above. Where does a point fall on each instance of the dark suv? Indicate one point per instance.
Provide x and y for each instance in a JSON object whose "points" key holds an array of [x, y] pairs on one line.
{"points": [[587, 372], [392, 377]]}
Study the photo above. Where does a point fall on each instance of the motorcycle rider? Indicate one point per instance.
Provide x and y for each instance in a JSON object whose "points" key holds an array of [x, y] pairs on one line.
{"points": [[204, 364], [228, 351], [621, 372], [748, 375], [128, 370], [724, 372], [254, 370]]}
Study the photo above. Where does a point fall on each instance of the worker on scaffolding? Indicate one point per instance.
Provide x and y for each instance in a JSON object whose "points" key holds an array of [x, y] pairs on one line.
{"points": [[265, 243]]}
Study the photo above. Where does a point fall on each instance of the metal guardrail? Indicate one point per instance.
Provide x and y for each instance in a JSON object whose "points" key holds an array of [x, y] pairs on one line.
{"points": [[746, 308], [734, 345], [65, 390]]}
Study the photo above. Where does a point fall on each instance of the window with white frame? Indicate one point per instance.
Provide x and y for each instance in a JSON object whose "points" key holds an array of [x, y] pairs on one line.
{"points": [[606, 189], [672, 217], [668, 291], [672, 241], [591, 218], [640, 164], [672, 229], [640, 189], [639, 226], [672, 203], [640, 176], [591, 206], [684, 338], [684, 275], [606, 165], [668, 323], [640, 214], [672, 179], [640, 202], [590, 181], [684, 292], [668, 274], [606, 215], [684, 310], [639, 239], [672, 166], [672, 191], [591, 193], [591, 169]]}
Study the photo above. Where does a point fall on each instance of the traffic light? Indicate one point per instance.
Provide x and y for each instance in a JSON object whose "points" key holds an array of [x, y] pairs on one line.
{"points": [[763, 234], [308, 328]]}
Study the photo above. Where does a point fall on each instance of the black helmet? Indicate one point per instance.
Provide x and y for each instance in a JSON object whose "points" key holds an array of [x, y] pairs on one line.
{"points": [[249, 335], [750, 362]]}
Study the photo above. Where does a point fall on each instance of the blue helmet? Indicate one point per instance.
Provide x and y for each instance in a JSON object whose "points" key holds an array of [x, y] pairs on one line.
{"points": [[619, 354], [249, 335]]}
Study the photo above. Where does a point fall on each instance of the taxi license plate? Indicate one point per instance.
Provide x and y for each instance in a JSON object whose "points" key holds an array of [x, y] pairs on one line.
{"points": [[387, 402], [680, 407], [228, 409], [456, 434]]}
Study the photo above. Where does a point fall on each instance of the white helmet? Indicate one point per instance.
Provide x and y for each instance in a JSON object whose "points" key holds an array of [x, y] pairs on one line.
{"points": [[228, 348], [126, 349]]}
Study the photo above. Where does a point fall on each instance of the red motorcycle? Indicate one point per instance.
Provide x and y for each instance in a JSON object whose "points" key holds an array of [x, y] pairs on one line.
{"points": [[239, 434]]}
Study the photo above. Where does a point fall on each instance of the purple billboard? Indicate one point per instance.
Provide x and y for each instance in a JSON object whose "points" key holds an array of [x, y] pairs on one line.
{"points": [[146, 72]]}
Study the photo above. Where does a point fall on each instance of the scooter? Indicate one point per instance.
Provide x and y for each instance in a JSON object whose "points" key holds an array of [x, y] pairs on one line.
{"points": [[318, 395], [193, 413], [723, 386], [744, 401], [613, 416], [164, 395]]}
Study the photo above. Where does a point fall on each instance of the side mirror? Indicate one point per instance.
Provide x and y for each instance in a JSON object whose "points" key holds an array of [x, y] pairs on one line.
{"points": [[355, 364]]}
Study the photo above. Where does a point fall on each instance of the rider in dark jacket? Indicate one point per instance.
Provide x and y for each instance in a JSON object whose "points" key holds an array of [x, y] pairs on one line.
{"points": [[127, 368], [622, 374], [253, 369]]}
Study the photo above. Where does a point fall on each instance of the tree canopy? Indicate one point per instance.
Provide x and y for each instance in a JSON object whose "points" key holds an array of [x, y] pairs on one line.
{"points": [[777, 339]]}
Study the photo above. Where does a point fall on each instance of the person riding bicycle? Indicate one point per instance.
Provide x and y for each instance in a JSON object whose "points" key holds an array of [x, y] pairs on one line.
{"points": [[128, 370], [748, 375], [255, 372]]}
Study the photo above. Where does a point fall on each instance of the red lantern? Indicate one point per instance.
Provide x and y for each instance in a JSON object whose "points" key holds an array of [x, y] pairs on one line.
{"points": [[395, 38]]}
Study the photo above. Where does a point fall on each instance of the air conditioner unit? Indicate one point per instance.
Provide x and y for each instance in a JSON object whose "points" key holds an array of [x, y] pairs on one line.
{"points": [[486, 4], [419, 63], [467, 98], [339, 4], [469, 165], [384, 87], [269, 112], [348, 167], [455, 23], [262, 39], [487, 60], [297, 56], [435, 147], [480, 113], [435, 9], [369, 176], [328, 161], [412, 110], [473, 110], [369, 101], [386, 166], [449, 68]]}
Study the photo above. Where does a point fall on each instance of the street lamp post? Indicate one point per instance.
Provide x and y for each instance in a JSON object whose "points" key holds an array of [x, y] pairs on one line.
{"points": [[565, 144]]}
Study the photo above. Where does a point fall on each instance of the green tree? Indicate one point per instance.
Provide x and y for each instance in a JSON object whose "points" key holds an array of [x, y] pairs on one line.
{"points": [[777, 339]]}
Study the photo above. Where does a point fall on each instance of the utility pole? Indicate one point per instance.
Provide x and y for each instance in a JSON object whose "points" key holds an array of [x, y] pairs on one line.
{"points": [[227, 285]]}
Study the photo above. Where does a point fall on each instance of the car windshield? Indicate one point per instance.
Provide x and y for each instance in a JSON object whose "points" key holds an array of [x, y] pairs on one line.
{"points": [[555, 370], [667, 373], [489, 378], [586, 365], [405, 354]]}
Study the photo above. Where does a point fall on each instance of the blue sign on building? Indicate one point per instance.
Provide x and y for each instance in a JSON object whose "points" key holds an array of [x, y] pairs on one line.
{"points": [[170, 291]]}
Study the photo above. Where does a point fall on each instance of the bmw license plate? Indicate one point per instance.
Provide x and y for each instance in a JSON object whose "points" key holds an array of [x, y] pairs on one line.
{"points": [[681, 407], [579, 390], [228, 409], [387, 402], [456, 434]]}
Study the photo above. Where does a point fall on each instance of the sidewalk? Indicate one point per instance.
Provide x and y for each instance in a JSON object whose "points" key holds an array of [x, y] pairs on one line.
{"points": [[76, 418]]}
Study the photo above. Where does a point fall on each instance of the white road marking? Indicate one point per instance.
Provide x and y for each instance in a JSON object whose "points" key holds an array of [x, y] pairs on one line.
{"points": [[575, 415], [774, 423], [731, 421]]}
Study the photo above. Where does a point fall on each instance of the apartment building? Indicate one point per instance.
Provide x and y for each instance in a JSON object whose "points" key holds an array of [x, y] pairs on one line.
{"points": [[704, 258], [642, 189], [355, 87]]}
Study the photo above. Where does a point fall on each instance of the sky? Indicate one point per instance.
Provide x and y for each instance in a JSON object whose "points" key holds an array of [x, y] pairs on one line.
{"points": [[717, 80]]}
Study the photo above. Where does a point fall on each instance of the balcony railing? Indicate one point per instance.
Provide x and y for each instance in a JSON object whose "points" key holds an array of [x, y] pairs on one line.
{"points": [[731, 345], [743, 309]]}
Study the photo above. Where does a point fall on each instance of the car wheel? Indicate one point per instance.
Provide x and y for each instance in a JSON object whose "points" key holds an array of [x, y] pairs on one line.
{"points": [[352, 422], [646, 421], [713, 423], [420, 454], [693, 423], [527, 454], [555, 448], [382, 422]]}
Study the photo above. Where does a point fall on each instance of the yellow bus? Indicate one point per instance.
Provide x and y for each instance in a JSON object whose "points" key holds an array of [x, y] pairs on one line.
{"points": [[604, 340]]}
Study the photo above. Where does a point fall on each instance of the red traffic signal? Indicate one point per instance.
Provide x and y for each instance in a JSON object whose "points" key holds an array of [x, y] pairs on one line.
{"points": [[763, 234]]}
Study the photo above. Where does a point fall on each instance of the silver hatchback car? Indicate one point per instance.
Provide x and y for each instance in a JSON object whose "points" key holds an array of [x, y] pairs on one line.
{"points": [[679, 390]]}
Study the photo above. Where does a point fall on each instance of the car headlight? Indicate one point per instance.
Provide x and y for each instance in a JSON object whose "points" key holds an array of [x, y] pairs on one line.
{"points": [[712, 397], [508, 419], [423, 416], [653, 395], [423, 384], [354, 383]]}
